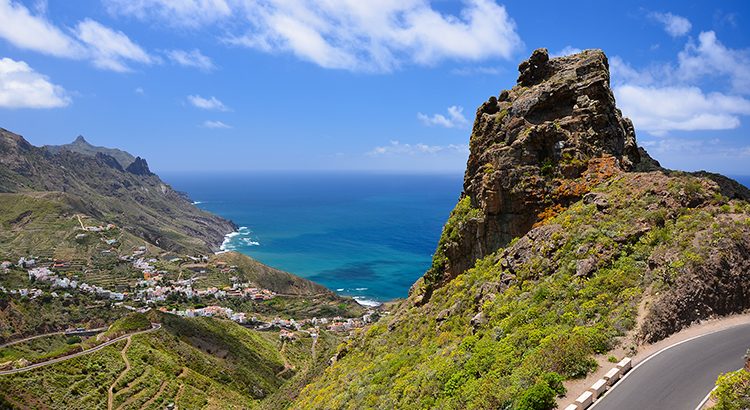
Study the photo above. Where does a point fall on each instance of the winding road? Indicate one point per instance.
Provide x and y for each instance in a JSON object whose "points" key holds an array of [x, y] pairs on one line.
{"points": [[61, 332], [679, 376], [154, 326]]}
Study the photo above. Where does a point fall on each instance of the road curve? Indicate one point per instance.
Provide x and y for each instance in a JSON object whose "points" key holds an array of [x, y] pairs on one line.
{"points": [[154, 326], [26, 339], [680, 376], [61, 332]]}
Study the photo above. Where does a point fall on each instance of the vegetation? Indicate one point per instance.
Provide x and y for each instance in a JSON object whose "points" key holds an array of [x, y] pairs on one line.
{"points": [[130, 323], [732, 391], [40, 349], [21, 316], [506, 332], [193, 363], [462, 213]]}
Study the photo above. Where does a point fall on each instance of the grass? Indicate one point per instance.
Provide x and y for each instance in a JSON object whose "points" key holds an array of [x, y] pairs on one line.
{"points": [[503, 333], [194, 363], [40, 349]]}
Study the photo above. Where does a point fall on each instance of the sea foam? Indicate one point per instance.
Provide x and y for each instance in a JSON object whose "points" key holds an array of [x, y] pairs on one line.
{"points": [[230, 244], [366, 302]]}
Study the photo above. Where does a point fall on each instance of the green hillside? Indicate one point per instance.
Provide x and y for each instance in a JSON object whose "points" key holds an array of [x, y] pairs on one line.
{"points": [[504, 333], [193, 363]]}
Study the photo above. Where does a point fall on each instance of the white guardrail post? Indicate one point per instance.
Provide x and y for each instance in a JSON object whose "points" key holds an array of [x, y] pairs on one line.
{"points": [[600, 387]]}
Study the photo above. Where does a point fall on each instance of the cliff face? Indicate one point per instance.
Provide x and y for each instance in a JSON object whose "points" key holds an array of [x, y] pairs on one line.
{"points": [[536, 148]]}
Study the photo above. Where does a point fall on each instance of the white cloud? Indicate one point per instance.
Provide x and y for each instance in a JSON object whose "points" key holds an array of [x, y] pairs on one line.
{"points": [[674, 25], [212, 103], [454, 119], [186, 13], [668, 97], [397, 148], [22, 87], [659, 110], [139, 91], [566, 51], [110, 49], [193, 58], [106, 48], [24, 30], [346, 34], [681, 147], [481, 70], [215, 125], [709, 57]]}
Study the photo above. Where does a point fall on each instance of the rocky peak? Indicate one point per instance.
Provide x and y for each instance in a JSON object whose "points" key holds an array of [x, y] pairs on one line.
{"points": [[80, 140], [534, 149], [139, 167]]}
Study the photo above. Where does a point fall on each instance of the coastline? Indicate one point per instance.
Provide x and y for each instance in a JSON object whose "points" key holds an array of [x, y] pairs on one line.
{"points": [[228, 246]]}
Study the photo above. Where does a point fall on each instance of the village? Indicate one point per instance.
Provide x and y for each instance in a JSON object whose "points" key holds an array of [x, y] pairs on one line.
{"points": [[153, 290]]}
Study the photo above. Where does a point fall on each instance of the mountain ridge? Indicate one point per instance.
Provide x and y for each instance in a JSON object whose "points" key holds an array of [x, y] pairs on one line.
{"points": [[133, 197], [81, 146]]}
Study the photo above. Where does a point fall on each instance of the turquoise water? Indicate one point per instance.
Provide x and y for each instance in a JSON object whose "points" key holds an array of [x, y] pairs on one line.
{"points": [[364, 235]]}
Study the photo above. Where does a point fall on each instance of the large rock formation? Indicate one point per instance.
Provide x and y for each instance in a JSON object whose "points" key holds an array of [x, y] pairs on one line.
{"points": [[581, 253], [534, 149], [139, 167]]}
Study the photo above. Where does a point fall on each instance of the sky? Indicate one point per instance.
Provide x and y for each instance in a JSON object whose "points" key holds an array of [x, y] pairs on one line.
{"points": [[388, 85]]}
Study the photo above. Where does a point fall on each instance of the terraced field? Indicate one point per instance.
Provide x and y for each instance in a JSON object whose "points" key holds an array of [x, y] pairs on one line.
{"points": [[194, 363]]}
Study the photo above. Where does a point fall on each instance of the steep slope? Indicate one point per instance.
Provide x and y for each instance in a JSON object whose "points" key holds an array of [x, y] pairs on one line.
{"points": [[193, 363], [565, 227], [81, 146], [133, 198], [536, 147]]}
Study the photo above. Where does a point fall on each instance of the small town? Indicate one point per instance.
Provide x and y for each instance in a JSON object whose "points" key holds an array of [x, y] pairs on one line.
{"points": [[153, 290]]}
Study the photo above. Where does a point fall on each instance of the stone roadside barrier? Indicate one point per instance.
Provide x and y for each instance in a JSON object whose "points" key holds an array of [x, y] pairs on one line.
{"points": [[598, 389]]}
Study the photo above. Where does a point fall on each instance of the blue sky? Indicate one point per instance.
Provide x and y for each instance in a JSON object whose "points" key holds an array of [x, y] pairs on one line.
{"points": [[352, 85]]}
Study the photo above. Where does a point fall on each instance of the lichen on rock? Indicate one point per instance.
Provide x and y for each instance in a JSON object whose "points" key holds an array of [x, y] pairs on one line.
{"points": [[535, 149]]}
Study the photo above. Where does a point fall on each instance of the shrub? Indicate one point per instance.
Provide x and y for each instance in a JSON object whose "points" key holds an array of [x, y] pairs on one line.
{"points": [[73, 340], [732, 391], [539, 397]]}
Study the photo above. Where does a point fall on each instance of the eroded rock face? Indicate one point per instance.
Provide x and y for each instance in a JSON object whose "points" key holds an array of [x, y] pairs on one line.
{"points": [[536, 148], [139, 167]]}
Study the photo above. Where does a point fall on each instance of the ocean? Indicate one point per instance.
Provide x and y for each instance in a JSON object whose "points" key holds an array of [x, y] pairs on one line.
{"points": [[365, 235]]}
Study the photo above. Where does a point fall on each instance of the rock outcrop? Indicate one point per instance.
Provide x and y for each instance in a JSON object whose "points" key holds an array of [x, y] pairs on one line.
{"points": [[109, 160], [535, 149], [139, 167]]}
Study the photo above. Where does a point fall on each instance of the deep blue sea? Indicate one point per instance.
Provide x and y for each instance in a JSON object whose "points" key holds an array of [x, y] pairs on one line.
{"points": [[744, 180], [361, 234]]}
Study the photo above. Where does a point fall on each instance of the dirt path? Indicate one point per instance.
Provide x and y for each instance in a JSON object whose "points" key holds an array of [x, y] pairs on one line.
{"points": [[312, 349], [110, 392], [287, 366]]}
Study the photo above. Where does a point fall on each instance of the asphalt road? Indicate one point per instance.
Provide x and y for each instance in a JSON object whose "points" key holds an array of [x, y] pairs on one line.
{"points": [[74, 355], [62, 332], [681, 376]]}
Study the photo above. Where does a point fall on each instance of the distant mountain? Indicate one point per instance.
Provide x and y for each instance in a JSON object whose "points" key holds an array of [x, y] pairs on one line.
{"points": [[81, 146], [130, 196]]}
